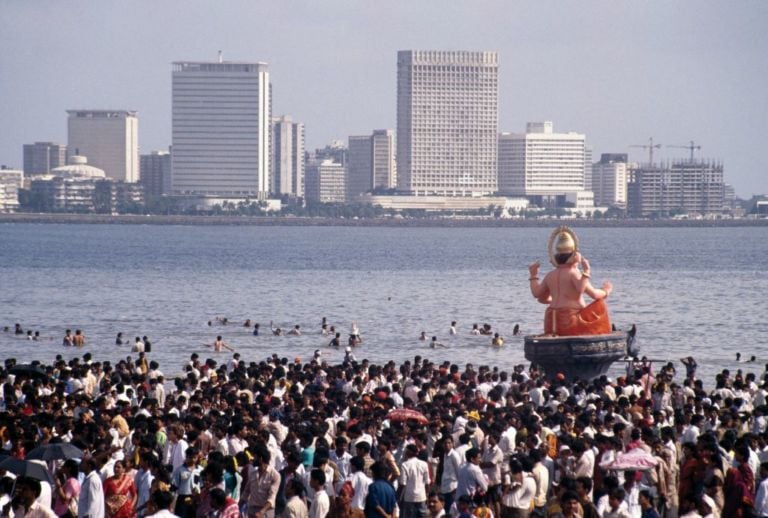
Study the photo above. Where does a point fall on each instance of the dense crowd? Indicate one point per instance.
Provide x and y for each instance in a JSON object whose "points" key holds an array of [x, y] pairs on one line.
{"points": [[297, 439]]}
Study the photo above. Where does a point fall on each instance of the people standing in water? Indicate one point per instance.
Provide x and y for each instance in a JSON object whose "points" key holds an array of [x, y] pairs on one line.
{"points": [[475, 330], [119, 339], [219, 345], [296, 331], [498, 341], [79, 339], [256, 329], [434, 344], [516, 330], [452, 329], [138, 346], [335, 341], [275, 330], [68, 340]]}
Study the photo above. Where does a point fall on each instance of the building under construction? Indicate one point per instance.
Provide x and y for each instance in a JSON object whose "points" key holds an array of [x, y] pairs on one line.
{"points": [[690, 187]]}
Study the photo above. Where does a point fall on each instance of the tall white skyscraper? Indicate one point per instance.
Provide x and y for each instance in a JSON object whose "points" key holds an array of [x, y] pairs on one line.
{"points": [[287, 156], [541, 162], [447, 122], [110, 140], [609, 180], [221, 128]]}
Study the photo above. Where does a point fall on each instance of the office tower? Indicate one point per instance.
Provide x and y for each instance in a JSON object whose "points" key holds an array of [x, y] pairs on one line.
{"points": [[540, 162], [110, 140], [41, 157], [371, 162], [221, 128], [326, 182], [447, 122], [383, 151], [609, 180], [287, 157], [359, 166], [693, 187], [156, 173]]}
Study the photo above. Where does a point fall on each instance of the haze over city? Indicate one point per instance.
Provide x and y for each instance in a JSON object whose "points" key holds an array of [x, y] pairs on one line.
{"points": [[618, 72]]}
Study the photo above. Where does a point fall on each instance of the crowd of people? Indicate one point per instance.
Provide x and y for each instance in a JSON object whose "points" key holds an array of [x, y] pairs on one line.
{"points": [[294, 439]]}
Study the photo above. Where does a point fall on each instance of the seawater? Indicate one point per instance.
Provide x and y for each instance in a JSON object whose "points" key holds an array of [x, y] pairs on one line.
{"points": [[690, 291]]}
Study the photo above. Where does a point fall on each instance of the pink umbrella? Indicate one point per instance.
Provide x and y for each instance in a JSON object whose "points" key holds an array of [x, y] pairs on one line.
{"points": [[637, 459]]}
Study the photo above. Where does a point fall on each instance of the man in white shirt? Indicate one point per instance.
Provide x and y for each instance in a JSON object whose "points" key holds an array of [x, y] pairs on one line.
{"points": [[321, 504], [519, 492], [471, 478], [360, 482], [27, 491], [414, 479], [175, 447], [91, 501], [450, 478]]}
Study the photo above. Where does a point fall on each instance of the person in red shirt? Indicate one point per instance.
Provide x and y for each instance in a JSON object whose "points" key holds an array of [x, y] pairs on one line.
{"points": [[224, 506]]}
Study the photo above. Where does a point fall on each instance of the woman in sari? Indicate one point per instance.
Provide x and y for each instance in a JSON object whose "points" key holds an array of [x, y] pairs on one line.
{"points": [[120, 494]]}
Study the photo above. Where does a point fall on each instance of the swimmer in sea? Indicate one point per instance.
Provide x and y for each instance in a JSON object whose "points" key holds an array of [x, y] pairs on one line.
{"points": [[219, 345], [498, 341], [335, 341], [296, 331], [452, 330], [37, 336], [68, 340], [423, 336], [434, 344], [79, 339], [324, 329], [516, 330], [275, 330], [247, 323], [119, 339], [138, 346], [475, 330], [255, 329]]}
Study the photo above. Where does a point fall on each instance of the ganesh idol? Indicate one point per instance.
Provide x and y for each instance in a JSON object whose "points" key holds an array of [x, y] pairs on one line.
{"points": [[564, 287]]}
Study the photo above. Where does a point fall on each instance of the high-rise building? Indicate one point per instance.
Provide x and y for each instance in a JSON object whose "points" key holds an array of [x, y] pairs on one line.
{"points": [[540, 162], [221, 128], [110, 140], [682, 187], [609, 180], [11, 181], [359, 166], [447, 122], [384, 164], [156, 173], [41, 157], [371, 163], [287, 156], [326, 182]]}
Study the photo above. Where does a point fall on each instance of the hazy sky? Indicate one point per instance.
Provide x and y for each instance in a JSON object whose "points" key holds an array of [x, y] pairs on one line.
{"points": [[618, 71]]}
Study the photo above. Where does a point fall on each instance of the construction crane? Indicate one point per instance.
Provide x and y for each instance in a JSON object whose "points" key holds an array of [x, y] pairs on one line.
{"points": [[690, 147], [650, 147]]}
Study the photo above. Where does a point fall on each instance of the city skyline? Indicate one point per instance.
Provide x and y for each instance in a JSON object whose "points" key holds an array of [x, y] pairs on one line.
{"points": [[590, 68]]}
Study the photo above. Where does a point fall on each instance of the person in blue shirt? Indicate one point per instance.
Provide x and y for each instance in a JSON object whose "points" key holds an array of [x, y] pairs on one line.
{"points": [[381, 499]]}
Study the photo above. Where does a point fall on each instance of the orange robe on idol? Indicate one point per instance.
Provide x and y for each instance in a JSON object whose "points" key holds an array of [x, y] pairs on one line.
{"points": [[590, 320]]}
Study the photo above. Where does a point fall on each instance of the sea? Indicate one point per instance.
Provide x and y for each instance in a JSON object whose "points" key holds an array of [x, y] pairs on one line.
{"points": [[690, 291]]}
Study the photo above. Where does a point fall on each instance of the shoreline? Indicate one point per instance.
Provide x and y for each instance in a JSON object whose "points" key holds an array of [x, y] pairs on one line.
{"points": [[271, 221]]}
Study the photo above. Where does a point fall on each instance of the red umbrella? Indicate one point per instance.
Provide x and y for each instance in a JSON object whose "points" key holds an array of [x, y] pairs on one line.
{"points": [[407, 414]]}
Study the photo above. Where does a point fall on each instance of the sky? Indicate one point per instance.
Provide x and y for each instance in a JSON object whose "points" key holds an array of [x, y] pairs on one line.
{"points": [[618, 71]]}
